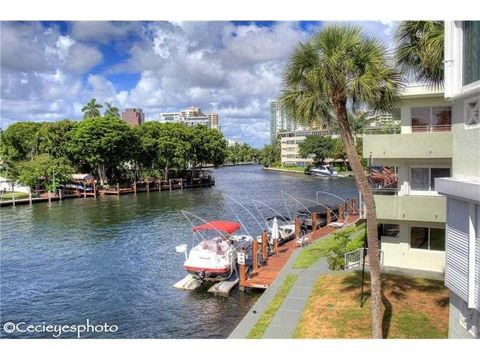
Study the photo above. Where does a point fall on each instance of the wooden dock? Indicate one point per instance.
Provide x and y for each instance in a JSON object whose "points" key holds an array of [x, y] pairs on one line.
{"points": [[264, 276]]}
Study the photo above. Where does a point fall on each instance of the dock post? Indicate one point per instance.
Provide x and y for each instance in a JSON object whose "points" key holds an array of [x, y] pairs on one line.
{"points": [[60, 194], [255, 255], [135, 187], [314, 221], [148, 186], [95, 189], [340, 213], [49, 197], [30, 197], [297, 228], [84, 190], [170, 184], [242, 272], [181, 183], [159, 185], [264, 246], [329, 216], [118, 189]]}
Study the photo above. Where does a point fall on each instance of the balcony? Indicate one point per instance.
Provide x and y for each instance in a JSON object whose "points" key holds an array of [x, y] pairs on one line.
{"points": [[411, 208], [422, 143]]}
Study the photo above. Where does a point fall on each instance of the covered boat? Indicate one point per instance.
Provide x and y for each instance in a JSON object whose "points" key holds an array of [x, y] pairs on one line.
{"points": [[214, 257]]}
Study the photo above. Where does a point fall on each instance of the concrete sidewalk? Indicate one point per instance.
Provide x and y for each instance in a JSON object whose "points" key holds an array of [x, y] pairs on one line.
{"points": [[285, 320]]}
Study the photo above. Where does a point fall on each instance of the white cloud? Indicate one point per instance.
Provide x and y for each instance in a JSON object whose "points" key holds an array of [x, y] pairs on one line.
{"points": [[231, 69]]}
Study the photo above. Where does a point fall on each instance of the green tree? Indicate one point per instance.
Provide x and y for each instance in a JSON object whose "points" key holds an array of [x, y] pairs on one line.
{"points": [[207, 146], [270, 155], [20, 141], [111, 111], [339, 66], [320, 147], [92, 109], [173, 146], [103, 143], [419, 50], [54, 138], [44, 170]]}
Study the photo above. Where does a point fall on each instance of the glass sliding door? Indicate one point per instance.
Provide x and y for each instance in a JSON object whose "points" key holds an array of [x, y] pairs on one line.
{"points": [[471, 52]]}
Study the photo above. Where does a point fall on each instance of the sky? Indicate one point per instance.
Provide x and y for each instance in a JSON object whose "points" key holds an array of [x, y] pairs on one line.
{"points": [[49, 70]]}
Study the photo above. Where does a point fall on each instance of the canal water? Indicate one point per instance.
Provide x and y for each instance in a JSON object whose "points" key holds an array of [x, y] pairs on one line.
{"points": [[112, 260]]}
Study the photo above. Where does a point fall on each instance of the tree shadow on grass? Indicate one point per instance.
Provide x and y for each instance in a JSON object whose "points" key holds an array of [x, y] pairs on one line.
{"points": [[396, 286]]}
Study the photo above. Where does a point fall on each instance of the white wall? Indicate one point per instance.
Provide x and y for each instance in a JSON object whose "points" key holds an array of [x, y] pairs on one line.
{"points": [[397, 251]]}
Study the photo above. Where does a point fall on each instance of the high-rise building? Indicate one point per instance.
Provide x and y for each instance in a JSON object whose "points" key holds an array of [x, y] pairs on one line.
{"points": [[133, 116], [192, 116], [213, 121], [279, 121]]}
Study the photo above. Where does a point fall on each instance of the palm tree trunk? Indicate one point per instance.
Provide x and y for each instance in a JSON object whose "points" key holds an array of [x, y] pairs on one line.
{"points": [[372, 231]]}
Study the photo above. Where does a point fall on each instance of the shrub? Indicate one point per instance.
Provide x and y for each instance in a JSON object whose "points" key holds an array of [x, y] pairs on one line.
{"points": [[344, 241]]}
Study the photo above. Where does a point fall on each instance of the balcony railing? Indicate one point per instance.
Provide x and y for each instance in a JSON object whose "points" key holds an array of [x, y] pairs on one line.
{"points": [[431, 128]]}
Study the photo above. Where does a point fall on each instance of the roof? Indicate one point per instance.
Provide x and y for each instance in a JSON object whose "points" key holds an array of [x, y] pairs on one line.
{"points": [[228, 227], [81, 176]]}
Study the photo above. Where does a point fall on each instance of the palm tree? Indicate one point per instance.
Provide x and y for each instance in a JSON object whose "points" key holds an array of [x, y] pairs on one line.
{"points": [[111, 111], [419, 50], [337, 69], [92, 109]]}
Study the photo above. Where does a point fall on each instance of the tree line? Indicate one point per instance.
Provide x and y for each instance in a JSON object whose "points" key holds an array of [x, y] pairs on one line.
{"points": [[47, 153]]}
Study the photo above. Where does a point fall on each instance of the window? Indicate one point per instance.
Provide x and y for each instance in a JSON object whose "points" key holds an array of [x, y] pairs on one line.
{"points": [[419, 179], [431, 118], [427, 238], [423, 178], [472, 111], [471, 52], [391, 230]]}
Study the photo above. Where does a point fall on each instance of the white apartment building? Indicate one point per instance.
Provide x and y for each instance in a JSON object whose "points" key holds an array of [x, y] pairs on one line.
{"points": [[413, 214], [462, 188], [192, 116], [289, 146]]}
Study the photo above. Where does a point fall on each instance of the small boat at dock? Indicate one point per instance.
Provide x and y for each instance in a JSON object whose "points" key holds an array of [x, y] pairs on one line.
{"points": [[214, 257]]}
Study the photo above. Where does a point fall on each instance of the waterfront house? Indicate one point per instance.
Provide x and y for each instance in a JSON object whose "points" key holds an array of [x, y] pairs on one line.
{"points": [[462, 189], [412, 213]]}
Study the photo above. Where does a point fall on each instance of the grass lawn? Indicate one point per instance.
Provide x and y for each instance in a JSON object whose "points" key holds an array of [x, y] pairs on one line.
{"points": [[414, 308], [259, 328], [320, 248], [9, 196], [290, 168]]}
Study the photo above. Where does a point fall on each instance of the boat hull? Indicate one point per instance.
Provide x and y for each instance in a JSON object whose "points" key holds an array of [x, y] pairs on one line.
{"points": [[204, 273]]}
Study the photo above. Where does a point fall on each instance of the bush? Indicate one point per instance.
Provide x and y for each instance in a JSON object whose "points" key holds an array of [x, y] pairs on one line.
{"points": [[344, 241]]}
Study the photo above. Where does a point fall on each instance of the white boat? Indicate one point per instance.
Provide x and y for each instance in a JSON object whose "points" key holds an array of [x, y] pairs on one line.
{"points": [[282, 232], [324, 170], [214, 257]]}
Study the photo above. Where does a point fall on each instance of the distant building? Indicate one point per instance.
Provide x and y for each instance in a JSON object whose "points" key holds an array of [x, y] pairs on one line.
{"points": [[133, 116], [289, 146], [233, 142], [191, 116], [382, 121], [279, 121]]}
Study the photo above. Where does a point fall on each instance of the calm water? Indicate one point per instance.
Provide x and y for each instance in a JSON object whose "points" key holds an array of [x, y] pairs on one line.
{"points": [[112, 259]]}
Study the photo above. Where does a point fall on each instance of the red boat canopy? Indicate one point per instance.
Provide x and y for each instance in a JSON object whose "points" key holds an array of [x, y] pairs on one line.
{"points": [[228, 227]]}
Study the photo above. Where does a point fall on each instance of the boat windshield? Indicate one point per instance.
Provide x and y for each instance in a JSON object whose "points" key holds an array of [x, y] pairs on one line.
{"points": [[214, 245]]}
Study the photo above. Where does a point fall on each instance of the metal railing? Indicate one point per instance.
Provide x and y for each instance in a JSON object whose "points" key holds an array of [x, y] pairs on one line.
{"points": [[355, 258], [431, 128]]}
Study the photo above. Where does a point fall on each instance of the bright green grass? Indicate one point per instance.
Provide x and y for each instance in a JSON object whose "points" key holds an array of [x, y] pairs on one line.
{"points": [[290, 168], [417, 325], [320, 248], [259, 328], [9, 196]]}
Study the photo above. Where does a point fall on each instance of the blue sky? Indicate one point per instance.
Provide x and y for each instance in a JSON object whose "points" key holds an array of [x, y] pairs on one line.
{"points": [[51, 69]]}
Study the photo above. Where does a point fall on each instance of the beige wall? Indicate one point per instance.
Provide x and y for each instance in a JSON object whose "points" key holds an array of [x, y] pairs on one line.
{"points": [[407, 104], [466, 142], [397, 251]]}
